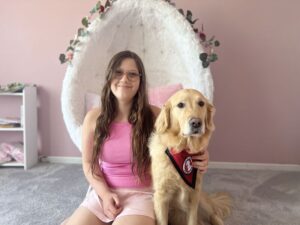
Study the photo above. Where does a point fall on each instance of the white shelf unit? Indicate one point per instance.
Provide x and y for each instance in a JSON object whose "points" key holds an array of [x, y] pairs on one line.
{"points": [[29, 129]]}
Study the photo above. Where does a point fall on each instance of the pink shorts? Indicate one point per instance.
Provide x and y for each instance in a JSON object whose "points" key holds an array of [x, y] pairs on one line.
{"points": [[134, 202]]}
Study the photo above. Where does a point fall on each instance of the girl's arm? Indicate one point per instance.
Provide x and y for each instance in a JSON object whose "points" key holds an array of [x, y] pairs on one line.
{"points": [[111, 202], [88, 131], [200, 161]]}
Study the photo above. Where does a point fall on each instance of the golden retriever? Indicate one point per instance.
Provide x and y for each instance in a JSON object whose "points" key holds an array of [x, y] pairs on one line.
{"points": [[184, 125]]}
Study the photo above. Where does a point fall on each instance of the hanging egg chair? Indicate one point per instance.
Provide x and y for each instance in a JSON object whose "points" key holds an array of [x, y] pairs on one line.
{"points": [[156, 31]]}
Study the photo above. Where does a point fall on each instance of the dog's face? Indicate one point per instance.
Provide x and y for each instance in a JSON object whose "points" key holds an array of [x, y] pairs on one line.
{"points": [[187, 114]]}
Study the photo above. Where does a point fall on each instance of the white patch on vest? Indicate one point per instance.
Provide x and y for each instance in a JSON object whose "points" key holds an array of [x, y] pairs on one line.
{"points": [[187, 165]]}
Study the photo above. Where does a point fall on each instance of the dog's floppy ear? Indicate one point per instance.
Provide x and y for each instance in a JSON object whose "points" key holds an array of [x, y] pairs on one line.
{"points": [[210, 111], [162, 122]]}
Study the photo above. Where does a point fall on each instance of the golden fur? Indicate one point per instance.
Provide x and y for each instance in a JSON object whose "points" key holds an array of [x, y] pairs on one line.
{"points": [[175, 202]]}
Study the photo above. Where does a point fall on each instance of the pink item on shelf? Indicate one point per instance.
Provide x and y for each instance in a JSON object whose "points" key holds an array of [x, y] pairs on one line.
{"points": [[4, 157], [14, 150]]}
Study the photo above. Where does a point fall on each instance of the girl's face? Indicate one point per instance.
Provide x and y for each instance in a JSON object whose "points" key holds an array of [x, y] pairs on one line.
{"points": [[126, 81]]}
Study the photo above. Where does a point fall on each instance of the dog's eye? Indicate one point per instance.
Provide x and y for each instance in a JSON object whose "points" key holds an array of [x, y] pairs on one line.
{"points": [[180, 105], [201, 103]]}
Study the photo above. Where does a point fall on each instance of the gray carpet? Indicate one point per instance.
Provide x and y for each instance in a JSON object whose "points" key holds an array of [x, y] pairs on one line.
{"points": [[48, 193]]}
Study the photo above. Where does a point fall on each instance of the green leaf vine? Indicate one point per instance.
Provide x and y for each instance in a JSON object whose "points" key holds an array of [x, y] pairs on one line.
{"points": [[207, 57]]}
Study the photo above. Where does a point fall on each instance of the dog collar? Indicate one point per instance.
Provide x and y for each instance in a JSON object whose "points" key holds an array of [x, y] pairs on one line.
{"points": [[182, 161]]}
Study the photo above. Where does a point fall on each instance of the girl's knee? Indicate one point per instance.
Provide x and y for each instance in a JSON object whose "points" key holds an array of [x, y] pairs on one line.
{"points": [[65, 222], [134, 220], [82, 216]]}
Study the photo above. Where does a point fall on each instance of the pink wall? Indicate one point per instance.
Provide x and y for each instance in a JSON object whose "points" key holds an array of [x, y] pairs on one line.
{"points": [[257, 78]]}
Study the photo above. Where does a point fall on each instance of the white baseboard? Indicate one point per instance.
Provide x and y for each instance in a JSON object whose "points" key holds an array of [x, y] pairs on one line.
{"points": [[58, 159], [215, 165], [254, 166]]}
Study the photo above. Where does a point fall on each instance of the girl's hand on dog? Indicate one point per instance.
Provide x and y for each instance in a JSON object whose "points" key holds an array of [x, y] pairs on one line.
{"points": [[200, 161], [111, 205]]}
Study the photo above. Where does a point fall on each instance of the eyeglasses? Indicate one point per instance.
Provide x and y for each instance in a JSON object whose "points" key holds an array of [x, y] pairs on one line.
{"points": [[131, 76]]}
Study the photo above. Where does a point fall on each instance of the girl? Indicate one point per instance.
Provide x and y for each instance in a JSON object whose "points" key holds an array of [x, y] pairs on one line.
{"points": [[115, 156]]}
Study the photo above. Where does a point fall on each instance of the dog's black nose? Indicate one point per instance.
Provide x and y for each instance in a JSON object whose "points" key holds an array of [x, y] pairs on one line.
{"points": [[195, 123]]}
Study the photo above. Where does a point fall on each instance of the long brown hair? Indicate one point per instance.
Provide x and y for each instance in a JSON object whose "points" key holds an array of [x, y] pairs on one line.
{"points": [[140, 116]]}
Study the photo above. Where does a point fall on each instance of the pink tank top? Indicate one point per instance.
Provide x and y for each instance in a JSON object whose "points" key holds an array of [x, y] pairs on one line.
{"points": [[116, 158]]}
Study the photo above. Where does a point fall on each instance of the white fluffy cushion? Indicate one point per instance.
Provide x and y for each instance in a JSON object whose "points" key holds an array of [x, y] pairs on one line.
{"points": [[92, 100]]}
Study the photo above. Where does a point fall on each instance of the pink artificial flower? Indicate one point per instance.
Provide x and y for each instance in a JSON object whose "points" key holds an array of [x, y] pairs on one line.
{"points": [[202, 36], [101, 10], [69, 55]]}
